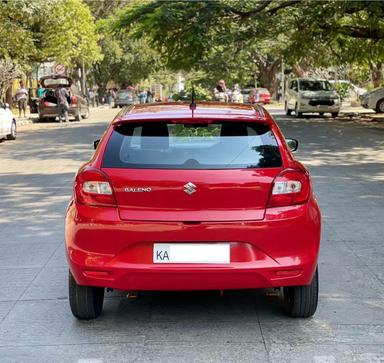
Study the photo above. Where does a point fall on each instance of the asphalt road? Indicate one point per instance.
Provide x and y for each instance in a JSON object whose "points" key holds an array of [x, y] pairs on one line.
{"points": [[36, 325]]}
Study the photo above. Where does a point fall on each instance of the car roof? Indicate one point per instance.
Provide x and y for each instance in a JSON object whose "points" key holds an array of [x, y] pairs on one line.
{"points": [[310, 79], [182, 110]]}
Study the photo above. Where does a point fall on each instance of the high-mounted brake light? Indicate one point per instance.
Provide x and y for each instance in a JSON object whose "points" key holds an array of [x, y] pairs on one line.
{"points": [[92, 187], [290, 187]]}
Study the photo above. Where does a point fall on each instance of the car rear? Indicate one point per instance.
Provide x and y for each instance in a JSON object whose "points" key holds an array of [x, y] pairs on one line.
{"points": [[264, 96], [192, 204], [124, 98], [48, 107]]}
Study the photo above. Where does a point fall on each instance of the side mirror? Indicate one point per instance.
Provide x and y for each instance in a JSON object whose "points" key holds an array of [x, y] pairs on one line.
{"points": [[96, 143], [292, 144]]}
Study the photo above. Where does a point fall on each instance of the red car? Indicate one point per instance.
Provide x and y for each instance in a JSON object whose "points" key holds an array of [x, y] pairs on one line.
{"points": [[192, 198], [260, 95]]}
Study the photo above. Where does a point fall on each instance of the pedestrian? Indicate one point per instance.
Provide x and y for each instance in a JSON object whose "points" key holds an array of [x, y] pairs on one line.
{"points": [[62, 95], [40, 91], [149, 96], [22, 98], [114, 93], [220, 91], [96, 92], [142, 96], [91, 97], [109, 97], [236, 95]]}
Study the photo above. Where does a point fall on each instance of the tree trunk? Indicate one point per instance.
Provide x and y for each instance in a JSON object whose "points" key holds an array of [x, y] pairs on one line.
{"points": [[267, 75], [8, 96], [377, 74]]}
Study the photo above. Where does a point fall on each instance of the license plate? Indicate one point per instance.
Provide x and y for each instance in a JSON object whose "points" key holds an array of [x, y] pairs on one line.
{"points": [[191, 253]]}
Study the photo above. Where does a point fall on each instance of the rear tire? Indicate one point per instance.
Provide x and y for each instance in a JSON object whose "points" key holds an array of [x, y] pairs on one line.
{"points": [[86, 115], [86, 302], [78, 115], [380, 106], [321, 113], [301, 301], [287, 110], [334, 114], [12, 135]]}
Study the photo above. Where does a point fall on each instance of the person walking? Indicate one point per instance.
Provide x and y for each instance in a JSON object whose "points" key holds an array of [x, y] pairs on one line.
{"points": [[62, 95], [22, 98], [149, 98], [96, 92], [220, 92], [91, 97], [109, 97], [236, 95], [142, 96]]}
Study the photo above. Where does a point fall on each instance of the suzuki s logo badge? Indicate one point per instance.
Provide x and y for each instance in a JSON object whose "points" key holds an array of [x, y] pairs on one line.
{"points": [[189, 188]]}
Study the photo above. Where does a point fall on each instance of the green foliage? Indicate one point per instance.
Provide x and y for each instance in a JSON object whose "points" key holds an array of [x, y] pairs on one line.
{"points": [[342, 89], [40, 30], [201, 93], [237, 39], [125, 59]]}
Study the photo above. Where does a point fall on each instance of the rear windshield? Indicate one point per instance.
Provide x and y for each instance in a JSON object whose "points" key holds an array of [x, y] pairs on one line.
{"points": [[220, 145]]}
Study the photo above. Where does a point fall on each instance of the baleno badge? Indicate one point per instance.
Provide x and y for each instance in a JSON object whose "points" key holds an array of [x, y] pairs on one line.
{"points": [[138, 189]]}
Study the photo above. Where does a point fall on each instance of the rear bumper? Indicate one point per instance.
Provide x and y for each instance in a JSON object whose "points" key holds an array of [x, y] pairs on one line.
{"points": [[54, 112], [280, 250]]}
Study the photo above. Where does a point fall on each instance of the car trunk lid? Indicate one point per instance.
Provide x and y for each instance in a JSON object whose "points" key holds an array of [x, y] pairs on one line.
{"points": [[192, 195]]}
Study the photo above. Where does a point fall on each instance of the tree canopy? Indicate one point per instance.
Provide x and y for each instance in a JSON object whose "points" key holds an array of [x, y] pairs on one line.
{"points": [[255, 34], [37, 31]]}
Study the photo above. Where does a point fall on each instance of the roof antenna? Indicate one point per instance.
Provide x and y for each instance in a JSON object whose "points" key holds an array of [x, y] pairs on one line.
{"points": [[192, 105]]}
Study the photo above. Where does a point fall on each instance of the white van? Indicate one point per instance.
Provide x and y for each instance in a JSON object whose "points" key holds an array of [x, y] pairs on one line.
{"points": [[311, 95], [7, 123]]}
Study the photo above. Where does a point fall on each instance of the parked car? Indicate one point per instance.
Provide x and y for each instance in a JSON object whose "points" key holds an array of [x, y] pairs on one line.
{"points": [[311, 95], [125, 97], [374, 100], [355, 92], [192, 197], [246, 92], [48, 107], [260, 95], [7, 123]]}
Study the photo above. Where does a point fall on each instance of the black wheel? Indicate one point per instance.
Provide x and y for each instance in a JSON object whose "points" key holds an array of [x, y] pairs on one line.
{"points": [[12, 135], [86, 115], [321, 113], [301, 301], [86, 302], [297, 112], [78, 115], [380, 106], [334, 114], [287, 110]]}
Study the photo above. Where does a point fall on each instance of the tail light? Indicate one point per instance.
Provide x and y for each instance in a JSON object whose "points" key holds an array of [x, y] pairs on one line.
{"points": [[290, 187], [74, 100], [92, 187]]}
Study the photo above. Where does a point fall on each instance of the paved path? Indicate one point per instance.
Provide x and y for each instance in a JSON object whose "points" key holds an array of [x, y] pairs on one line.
{"points": [[36, 174]]}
